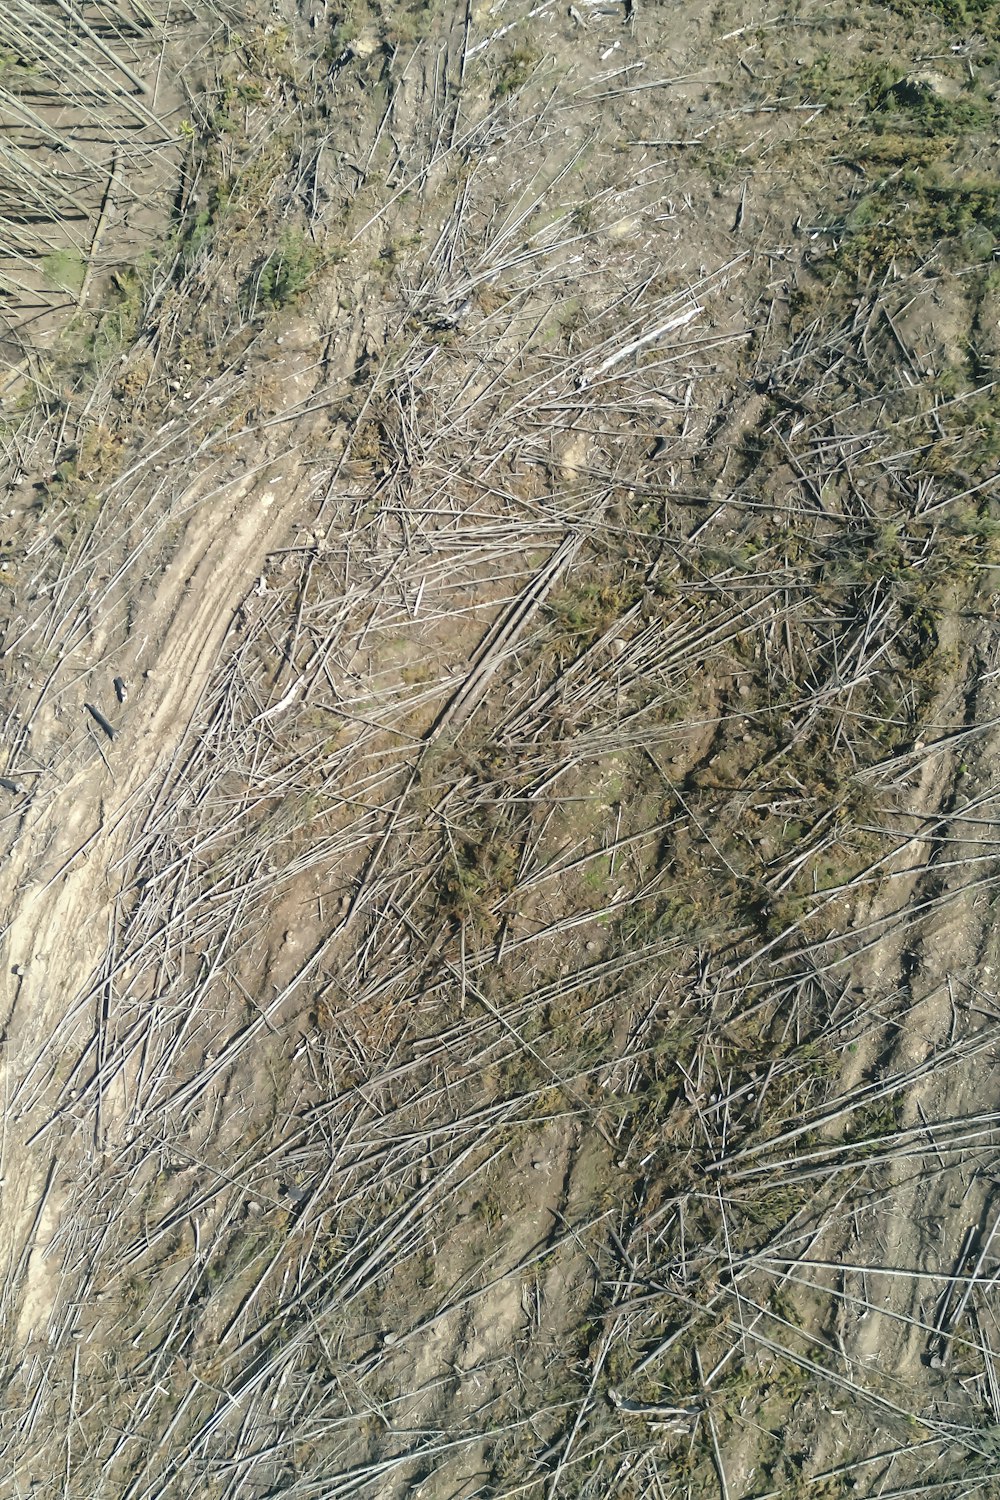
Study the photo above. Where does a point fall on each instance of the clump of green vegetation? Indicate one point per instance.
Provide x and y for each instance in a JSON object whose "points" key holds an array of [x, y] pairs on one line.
{"points": [[74, 489], [516, 67], [478, 871], [121, 312], [222, 209], [284, 274], [929, 112], [914, 214], [402, 24], [107, 331], [394, 24], [952, 13], [920, 106], [65, 270], [581, 611], [268, 51], [828, 81], [233, 95]]}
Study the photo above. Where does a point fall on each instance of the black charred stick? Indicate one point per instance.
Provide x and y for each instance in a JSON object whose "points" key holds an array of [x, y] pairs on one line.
{"points": [[98, 718]]}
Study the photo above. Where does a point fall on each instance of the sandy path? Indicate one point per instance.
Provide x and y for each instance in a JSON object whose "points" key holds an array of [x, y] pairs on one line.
{"points": [[57, 915]]}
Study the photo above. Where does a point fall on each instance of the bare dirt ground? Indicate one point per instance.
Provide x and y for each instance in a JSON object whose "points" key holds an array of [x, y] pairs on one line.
{"points": [[499, 709]]}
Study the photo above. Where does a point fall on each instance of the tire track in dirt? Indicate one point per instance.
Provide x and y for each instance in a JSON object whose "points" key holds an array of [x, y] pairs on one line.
{"points": [[57, 917]]}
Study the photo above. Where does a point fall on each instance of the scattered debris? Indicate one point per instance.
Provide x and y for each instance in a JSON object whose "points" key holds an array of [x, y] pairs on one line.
{"points": [[679, 1417], [449, 318], [285, 701], [121, 689]]}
